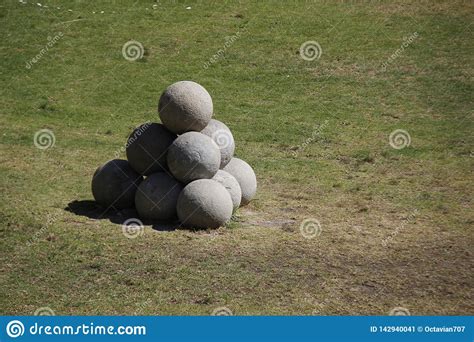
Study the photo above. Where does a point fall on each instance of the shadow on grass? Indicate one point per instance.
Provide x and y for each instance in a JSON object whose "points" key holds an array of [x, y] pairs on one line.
{"points": [[93, 210]]}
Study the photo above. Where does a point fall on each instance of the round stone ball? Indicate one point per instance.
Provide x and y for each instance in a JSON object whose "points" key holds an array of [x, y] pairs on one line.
{"points": [[193, 156], [147, 147], [244, 174], [185, 106], [157, 196], [232, 186], [204, 203], [114, 184], [223, 137]]}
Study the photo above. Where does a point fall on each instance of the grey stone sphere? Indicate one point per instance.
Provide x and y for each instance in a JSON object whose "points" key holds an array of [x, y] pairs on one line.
{"points": [[244, 174], [222, 136], [114, 184], [232, 186], [147, 147], [193, 156], [204, 203], [185, 106], [157, 196]]}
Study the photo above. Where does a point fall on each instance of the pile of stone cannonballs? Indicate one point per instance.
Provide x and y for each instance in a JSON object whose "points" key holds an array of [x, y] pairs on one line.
{"points": [[184, 167]]}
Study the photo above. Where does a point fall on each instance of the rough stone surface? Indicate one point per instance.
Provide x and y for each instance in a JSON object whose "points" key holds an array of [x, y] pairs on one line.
{"points": [[157, 196], [232, 186], [222, 136], [185, 106], [193, 156], [244, 174], [204, 203], [147, 148], [114, 184]]}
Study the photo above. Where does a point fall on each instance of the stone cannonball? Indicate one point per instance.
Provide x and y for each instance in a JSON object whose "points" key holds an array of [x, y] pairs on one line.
{"points": [[204, 203], [230, 183], [147, 147], [185, 106], [157, 196], [114, 184], [222, 136], [193, 156], [244, 174]]}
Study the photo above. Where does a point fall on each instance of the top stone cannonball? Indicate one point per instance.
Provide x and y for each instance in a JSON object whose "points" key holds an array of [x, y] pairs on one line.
{"points": [[244, 174], [185, 106], [157, 196], [147, 147], [230, 183], [193, 156], [222, 136], [204, 203], [114, 184]]}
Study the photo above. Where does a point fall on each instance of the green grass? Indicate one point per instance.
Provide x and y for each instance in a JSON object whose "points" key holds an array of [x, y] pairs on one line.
{"points": [[348, 177]]}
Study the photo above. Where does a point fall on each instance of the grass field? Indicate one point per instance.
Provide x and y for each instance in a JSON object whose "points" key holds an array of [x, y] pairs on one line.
{"points": [[396, 224]]}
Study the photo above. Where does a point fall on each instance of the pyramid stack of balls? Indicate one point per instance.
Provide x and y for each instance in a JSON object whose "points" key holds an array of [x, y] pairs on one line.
{"points": [[183, 168]]}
